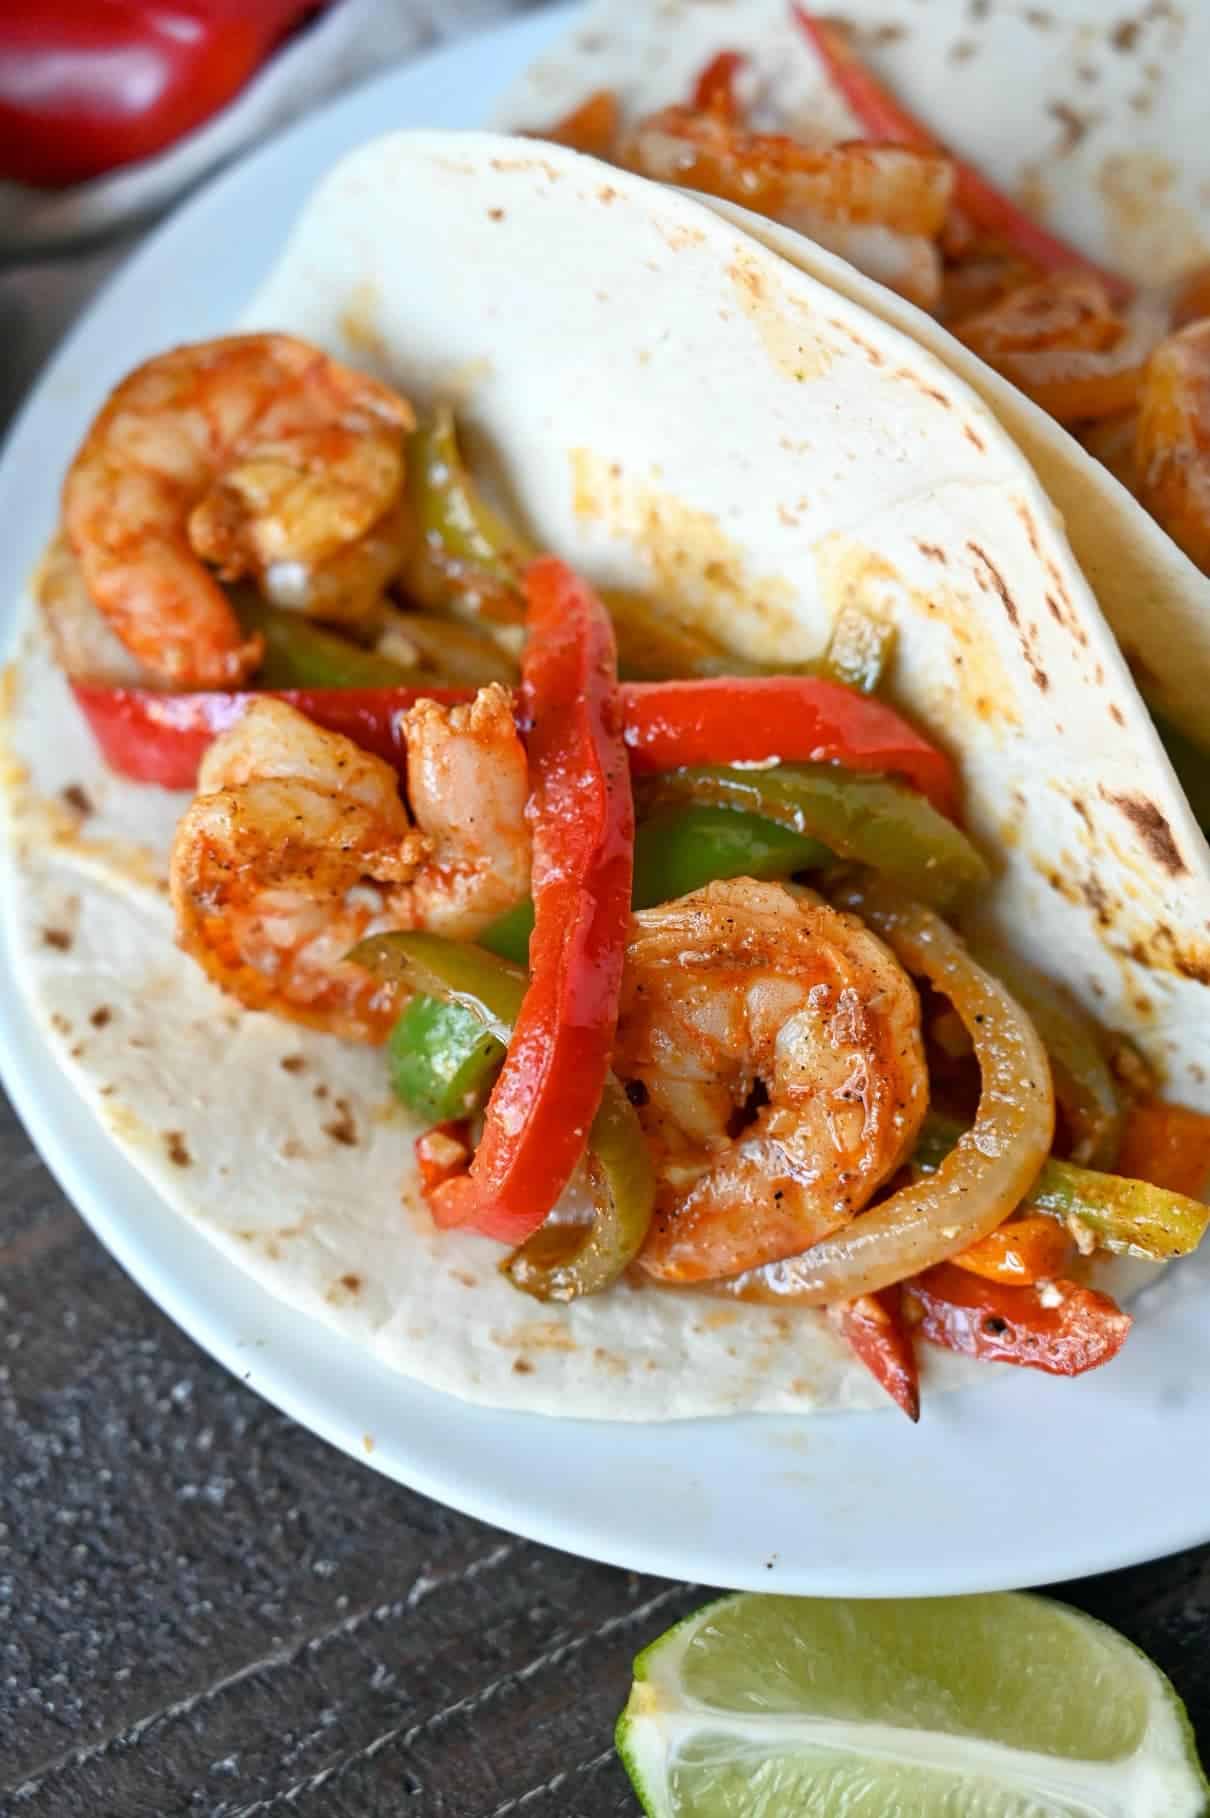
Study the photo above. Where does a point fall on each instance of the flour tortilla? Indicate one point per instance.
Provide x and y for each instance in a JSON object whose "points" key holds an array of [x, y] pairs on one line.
{"points": [[1094, 116], [674, 408]]}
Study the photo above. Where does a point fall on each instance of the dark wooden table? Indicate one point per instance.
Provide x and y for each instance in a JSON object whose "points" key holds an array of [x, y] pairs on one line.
{"points": [[204, 1610]]}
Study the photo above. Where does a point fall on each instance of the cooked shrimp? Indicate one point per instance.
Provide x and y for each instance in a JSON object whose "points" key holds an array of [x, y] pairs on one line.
{"points": [[299, 843], [257, 454], [881, 206], [772, 1045], [1172, 445]]}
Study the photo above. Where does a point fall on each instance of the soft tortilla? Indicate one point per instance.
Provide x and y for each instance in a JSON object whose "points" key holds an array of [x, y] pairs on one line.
{"points": [[675, 408], [1110, 148]]}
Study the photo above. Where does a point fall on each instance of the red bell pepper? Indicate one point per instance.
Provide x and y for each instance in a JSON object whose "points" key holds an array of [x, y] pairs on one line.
{"points": [[582, 819], [1079, 1330], [714, 90], [875, 1329], [88, 85], [799, 719], [160, 738], [885, 119]]}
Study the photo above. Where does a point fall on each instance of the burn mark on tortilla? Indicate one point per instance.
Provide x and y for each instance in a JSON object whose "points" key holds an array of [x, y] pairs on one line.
{"points": [[1040, 678], [352, 1283], [101, 1016], [58, 938], [292, 1063], [522, 1366], [1039, 17], [890, 33], [343, 1127], [962, 50], [178, 1149], [1152, 829], [59, 1023], [1125, 35], [77, 797], [1074, 125], [974, 437], [320, 1092], [1116, 714], [495, 214], [932, 552]]}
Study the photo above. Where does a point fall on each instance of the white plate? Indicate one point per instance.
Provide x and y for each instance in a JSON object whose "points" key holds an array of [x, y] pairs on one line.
{"points": [[1024, 1482]]}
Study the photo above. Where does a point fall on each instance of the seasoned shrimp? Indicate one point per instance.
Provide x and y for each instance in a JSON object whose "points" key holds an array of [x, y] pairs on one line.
{"points": [[299, 843], [256, 454], [1172, 443], [772, 1045], [881, 206]]}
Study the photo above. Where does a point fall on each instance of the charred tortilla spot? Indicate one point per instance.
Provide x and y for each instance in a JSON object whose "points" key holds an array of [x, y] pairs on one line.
{"points": [[178, 1150], [77, 797], [932, 552], [1152, 829], [292, 1063], [522, 1366], [975, 438], [1116, 714], [101, 1016], [343, 1127], [58, 938], [352, 1283]]}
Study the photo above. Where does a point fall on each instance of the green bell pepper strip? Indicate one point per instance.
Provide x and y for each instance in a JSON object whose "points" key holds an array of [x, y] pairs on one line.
{"points": [[466, 555], [858, 816], [859, 651], [441, 1061], [677, 851], [654, 646], [1127, 1217], [567, 1262], [301, 654]]}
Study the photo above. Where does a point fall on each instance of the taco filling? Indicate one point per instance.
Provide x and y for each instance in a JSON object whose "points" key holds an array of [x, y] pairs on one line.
{"points": [[619, 907]]}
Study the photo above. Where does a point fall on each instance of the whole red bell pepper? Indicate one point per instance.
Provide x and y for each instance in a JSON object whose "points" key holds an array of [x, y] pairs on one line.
{"points": [[1058, 1326], [160, 738], [89, 85], [886, 120], [875, 1330], [581, 816]]}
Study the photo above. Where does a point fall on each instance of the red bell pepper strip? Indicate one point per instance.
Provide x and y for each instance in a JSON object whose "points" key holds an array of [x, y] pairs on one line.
{"points": [[799, 719], [1016, 1325], [874, 1328], [714, 90], [887, 120], [442, 1153], [160, 738], [581, 816], [88, 85]]}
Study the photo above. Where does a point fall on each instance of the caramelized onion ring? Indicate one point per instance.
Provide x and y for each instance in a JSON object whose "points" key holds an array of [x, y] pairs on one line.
{"points": [[983, 1178]]}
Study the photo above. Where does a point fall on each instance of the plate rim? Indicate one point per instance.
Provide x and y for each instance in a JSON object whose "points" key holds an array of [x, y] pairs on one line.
{"points": [[34, 432]]}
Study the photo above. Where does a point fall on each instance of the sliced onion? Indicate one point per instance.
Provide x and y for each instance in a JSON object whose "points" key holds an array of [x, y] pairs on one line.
{"points": [[983, 1178]]}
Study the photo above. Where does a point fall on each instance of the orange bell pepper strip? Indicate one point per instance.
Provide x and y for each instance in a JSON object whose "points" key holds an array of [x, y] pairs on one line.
{"points": [[1061, 1328], [1167, 1145], [885, 119], [581, 814], [1023, 1251], [875, 1330]]}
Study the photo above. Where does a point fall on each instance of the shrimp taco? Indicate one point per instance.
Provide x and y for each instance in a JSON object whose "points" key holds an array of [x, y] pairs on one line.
{"points": [[1080, 314], [595, 837]]}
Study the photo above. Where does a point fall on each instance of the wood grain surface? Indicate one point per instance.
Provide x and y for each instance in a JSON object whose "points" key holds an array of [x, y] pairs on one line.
{"points": [[204, 1610]]}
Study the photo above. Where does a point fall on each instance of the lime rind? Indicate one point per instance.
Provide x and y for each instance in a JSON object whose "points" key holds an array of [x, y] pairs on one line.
{"points": [[670, 1738]]}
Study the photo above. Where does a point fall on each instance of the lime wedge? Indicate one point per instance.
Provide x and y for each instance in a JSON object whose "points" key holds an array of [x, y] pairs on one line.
{"points": [[964, 1707]]}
